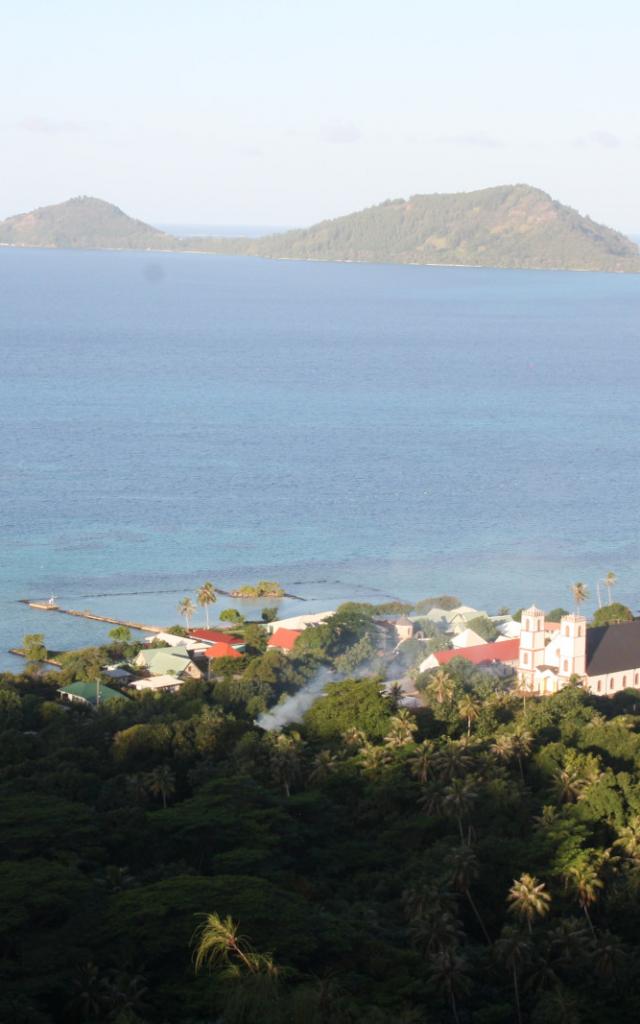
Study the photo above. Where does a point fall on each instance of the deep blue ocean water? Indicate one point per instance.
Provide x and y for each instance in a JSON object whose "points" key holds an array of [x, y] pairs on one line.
{"points": [[350, 430]]}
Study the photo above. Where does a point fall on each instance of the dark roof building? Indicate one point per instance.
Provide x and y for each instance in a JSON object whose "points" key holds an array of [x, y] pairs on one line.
{"points": [[613, 648]]}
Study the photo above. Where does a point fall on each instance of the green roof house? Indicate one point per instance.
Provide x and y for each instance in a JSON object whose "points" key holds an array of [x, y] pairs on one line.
{"points": [[90, 693], [168, 661]]}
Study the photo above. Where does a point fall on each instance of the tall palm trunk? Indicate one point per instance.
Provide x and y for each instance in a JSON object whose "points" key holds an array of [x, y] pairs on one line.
{"points": [[477, 916], [517, 994]]}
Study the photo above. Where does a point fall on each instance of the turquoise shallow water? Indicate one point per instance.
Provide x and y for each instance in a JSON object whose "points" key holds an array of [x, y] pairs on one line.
{"points": [[347, 429]]}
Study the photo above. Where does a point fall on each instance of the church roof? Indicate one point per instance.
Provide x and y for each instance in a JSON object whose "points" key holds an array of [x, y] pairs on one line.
{"points": [[613, 648]]}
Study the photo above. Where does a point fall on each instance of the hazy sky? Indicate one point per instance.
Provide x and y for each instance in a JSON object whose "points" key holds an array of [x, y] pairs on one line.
{"points": [[288, 111]]}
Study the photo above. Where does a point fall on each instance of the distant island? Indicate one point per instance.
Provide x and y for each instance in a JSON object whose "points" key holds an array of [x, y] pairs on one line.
{"points": [[509, 226]]}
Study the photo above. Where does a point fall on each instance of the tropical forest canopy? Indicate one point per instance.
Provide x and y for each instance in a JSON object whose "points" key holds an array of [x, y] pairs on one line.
{"points": [[164, 859]]}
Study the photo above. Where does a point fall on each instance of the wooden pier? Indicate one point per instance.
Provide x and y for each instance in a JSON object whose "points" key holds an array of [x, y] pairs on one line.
{"points": [[42, 606]]}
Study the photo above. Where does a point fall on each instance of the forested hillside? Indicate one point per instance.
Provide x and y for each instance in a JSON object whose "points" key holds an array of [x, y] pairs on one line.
{"points": [[508, 226], [474, 860]]}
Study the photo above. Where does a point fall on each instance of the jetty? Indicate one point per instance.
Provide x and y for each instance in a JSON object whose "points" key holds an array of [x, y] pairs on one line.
{"points": [[41, 661], [43, 606]]}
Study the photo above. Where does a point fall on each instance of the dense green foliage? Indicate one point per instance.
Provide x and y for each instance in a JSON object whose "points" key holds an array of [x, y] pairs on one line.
{"points": [[612, 613], [506, 226], [368, 863]]}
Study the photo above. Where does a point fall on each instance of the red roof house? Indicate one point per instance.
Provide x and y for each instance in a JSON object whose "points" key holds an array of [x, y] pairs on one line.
{"points": [[283, 639], [215, 636], [507, 651], [221, 651]]}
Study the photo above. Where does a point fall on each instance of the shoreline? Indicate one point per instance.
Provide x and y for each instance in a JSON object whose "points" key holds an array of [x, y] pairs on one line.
{"points": [[322, 259]]}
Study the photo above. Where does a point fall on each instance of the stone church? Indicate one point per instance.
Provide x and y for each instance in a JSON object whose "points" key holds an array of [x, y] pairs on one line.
{"points": [[605, 658]]}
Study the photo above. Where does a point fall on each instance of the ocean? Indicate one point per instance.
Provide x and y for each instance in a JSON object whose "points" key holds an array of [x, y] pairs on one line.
{"points": [[351, 430]]}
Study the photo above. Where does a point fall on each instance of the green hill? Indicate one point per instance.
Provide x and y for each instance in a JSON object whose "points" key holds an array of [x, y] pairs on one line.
{"points": [[508, 226], [81, 223]]}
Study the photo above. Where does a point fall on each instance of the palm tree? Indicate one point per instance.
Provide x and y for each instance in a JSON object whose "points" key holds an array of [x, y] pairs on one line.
{"points": [[522, 743], [324, 765], [514, 950], [441, 687], [449, 972], [284, 757], [580, 593], [568, 785], [354, 738], [464, 870], [610, 581], [457, 800], [629, 839], [512, 745], [206, 596], [583, 877], [423, 760], [186, 608], [395, 693], [220, 946], [453, 760], [161, 782], [469, 709], [403, 726], [528, 898]]}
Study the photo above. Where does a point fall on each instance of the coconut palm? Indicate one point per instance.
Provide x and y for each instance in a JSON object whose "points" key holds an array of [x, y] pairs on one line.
{"points": [[285, 759], [206, 596], [395, 693], [323, 766], [441, 687], [219, 946], [568, 785], [464, 868], [453, 760], [403, 726], [580, 593], [629, 840], [422, 761], [583, 877], [458, 799], [354, 738], [186, 608], [468, 709], [528, 898], [449, 972], [161, 782], [610, 581], [514, 950]]}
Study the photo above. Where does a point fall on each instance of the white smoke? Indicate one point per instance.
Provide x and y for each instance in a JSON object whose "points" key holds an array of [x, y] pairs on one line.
{"points": [[295, 707], [292, 709]]}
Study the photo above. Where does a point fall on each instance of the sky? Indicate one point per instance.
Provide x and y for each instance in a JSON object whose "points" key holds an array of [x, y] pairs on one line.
{"points": [[284, 112]]}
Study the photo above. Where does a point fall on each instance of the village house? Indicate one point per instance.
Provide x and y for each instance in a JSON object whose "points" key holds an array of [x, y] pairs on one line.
{"points": [[221, 651], [500, 657], [158, 684], [89, 694], [217, 636], [172, 661], [283, 640]]}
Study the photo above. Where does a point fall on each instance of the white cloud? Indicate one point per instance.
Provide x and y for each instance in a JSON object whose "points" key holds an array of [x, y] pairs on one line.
{"points": [[340, 132], [49, 126]]}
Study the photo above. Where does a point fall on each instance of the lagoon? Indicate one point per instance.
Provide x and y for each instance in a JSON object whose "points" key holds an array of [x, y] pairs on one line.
{"points": [[351, 430]]}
